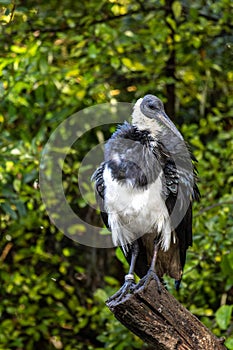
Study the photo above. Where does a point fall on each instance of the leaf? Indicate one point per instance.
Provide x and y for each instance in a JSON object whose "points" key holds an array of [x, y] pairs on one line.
{"points": [[43, 63], [127, 62], [227, 264], [5, 2], [92, 51], [223, 316], [18, 49], [115, 62], [120, 256], [100, 295], [171, 22], [177, 9], [229, 343], [8, 210], [21, 208], [132, 65], [17, 184]]}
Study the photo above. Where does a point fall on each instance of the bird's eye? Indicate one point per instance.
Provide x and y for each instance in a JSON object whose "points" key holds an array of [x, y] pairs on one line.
{"points": [[152, 106]]}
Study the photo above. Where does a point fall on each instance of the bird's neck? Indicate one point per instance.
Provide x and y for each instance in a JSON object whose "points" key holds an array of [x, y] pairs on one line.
{"points": [[151, 125]]}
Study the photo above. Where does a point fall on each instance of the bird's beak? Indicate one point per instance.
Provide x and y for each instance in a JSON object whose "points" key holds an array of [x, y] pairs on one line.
{"points": [[166, 122]]}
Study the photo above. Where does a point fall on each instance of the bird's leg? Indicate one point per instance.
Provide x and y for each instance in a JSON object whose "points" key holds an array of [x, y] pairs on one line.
{"points": [[129, 278], [151, 274]]}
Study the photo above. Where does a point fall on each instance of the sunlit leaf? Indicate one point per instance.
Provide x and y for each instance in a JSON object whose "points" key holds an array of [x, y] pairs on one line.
{"points": [[176, 8], [223, 316]]}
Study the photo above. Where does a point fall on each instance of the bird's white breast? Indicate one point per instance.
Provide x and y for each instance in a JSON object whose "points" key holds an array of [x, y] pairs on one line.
{"points": [[132, 211]]}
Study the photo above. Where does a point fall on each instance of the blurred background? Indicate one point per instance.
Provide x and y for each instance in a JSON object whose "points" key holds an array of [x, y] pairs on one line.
{"points": [[59, 57]]}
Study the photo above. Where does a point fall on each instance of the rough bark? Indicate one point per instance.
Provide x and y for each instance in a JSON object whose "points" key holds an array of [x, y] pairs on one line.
{"points": [[160, 320]]}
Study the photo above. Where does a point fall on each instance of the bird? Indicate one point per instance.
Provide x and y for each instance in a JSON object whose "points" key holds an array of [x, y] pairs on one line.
{"points": [[145, 188]]}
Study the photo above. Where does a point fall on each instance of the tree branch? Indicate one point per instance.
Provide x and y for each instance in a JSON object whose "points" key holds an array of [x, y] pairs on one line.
{"points": [[212, 206], [160, 320]]}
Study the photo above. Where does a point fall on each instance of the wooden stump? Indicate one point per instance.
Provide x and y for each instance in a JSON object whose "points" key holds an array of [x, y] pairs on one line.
{"points": [[160, 320]]}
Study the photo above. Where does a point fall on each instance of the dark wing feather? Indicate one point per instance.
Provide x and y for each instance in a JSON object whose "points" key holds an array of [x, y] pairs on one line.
{"points": [[175, 192], [99, 192], [181, 186], [184, 234]]}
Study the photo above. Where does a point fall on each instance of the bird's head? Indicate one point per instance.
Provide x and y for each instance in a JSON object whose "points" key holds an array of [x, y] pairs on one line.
{"points": [[149, 113]]}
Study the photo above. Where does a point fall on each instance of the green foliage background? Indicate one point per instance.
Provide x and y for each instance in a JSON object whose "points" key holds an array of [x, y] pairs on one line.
{"points": [[58, 57]]}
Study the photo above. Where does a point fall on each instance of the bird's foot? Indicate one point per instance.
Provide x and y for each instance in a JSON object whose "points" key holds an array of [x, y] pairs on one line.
{"points": [[127, 288], [145, 281]]}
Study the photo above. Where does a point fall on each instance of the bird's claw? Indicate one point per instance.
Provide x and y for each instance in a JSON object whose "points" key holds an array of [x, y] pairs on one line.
{"points": [[127, 288], [130, 287], [145, 281]]}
